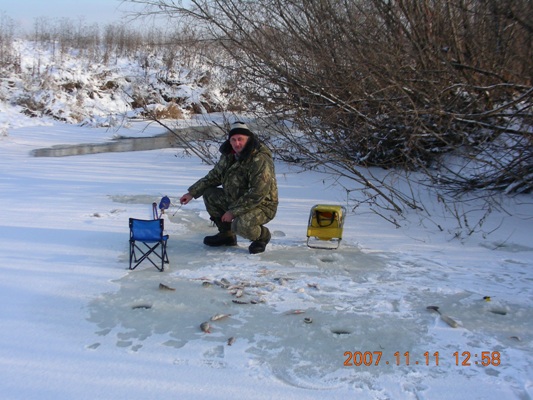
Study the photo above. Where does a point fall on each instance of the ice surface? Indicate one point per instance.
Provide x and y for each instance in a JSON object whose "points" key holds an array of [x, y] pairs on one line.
{"points": [[72, 311], [358, 302]]}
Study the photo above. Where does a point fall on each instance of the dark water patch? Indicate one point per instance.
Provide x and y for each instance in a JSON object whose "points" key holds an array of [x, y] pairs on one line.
{"points": [[175, 139], [117, 145]]}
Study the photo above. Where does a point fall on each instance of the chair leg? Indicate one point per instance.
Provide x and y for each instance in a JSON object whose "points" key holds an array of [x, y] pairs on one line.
{"points": [[132, 253], [164, 255], [146, 255]]}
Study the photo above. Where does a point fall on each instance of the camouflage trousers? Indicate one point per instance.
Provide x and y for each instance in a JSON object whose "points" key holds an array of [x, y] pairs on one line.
{"points": [[248, 225]]}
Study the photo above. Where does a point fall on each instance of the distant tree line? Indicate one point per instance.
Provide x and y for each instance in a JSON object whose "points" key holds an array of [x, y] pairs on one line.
{"points": [[154, 60], [7, 34], [100, 43]]}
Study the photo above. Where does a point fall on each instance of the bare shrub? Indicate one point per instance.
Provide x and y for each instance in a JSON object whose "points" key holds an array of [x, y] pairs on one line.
{"points": [[389, 84]]}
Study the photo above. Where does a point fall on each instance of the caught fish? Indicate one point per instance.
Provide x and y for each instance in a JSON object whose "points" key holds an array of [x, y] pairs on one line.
{"points": [[294, 312], [444, 317], [449, 321], [282, 281], [165, 287], [202, 278], [205, 327], [231, 340], [217, 317], [225, 282]]}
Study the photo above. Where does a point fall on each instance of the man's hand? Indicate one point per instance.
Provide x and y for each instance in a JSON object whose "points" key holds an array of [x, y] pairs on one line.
{"points": [[186, 198], [228, 216]]}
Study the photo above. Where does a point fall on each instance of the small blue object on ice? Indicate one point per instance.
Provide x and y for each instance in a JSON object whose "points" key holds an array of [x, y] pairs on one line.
{"points": [[164, 204]]}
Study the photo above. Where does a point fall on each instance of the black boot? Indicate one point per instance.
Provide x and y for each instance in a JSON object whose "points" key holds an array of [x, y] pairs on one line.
{"points": [[225, 237], [259, 245]]}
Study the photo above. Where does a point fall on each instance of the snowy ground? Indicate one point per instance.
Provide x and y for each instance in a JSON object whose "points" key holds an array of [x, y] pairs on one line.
{"points": [[71, 328]]}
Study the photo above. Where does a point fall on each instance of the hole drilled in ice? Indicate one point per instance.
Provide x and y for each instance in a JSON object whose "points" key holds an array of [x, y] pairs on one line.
{"points": [[144, 306], [331, 258], [340, 331]]}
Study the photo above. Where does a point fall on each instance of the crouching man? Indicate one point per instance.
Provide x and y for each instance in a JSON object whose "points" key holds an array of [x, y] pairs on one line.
{"points": [[240, 192]]}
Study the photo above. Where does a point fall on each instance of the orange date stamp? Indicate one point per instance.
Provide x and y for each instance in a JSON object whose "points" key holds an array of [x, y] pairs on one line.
{"points": [[463, 359]]}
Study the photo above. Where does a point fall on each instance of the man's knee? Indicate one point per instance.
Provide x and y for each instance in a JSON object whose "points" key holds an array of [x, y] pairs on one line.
{"points": [[249, 225], [246, 229], [216, 202]]}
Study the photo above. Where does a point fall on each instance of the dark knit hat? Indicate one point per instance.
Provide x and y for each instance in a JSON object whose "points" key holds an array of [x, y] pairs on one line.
{"points": [[239, 128]]}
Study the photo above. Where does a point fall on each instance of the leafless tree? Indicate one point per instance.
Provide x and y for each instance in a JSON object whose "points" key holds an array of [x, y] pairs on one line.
{"points": [[393, 84], [7, 32]]}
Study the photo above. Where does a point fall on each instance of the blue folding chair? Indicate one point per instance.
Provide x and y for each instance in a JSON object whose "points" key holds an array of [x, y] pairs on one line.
{"points": [[150, 234]]}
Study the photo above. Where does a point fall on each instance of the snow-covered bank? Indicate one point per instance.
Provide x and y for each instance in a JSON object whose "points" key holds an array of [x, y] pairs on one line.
{"points": [[71, 328]]}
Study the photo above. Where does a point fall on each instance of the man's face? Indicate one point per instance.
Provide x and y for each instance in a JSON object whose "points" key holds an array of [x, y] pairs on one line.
{"points": [[238, 142]]}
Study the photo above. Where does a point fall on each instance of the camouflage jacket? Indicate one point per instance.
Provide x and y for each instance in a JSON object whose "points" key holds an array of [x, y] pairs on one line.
{"points": [[248, 182]]}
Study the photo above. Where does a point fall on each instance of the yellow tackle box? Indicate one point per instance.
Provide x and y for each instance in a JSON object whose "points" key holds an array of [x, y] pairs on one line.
{"points": [[324, 230]]}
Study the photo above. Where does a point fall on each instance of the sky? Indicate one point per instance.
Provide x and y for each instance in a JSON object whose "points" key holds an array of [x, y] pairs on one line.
{"points": [[101, 11]]}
